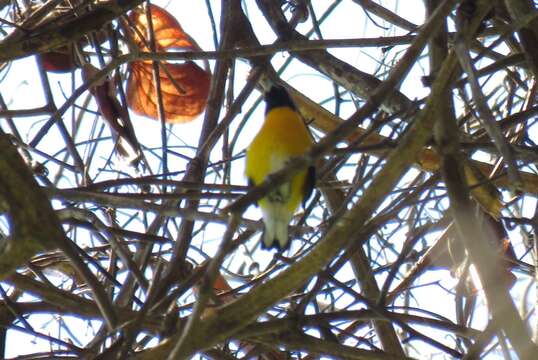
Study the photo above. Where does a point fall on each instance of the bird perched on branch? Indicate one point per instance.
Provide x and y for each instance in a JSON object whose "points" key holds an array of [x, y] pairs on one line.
{"points": [[282, 136]]}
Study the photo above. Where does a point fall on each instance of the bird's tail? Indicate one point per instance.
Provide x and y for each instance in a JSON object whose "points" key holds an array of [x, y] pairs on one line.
{"points": [[276, 231]]}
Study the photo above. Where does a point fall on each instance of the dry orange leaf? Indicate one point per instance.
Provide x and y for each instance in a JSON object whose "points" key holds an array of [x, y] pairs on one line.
{"points": [[184, 97]]}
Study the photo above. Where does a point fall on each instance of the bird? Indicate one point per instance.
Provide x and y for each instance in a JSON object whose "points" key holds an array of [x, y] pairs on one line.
{"points": [[282, 136]]}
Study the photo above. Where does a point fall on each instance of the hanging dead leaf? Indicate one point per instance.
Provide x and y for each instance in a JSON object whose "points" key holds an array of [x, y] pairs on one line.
{"points": [[168, 32], [447, 252], [64, 59], [58, 61], [115, 115], [180, 105], [184, 87]]}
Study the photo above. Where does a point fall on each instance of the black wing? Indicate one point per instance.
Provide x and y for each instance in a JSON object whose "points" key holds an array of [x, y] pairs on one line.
{"points": [[309, 183], [251, 184]]}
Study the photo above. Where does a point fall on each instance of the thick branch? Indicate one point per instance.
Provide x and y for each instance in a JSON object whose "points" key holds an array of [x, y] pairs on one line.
{"points": [[52, 36]]}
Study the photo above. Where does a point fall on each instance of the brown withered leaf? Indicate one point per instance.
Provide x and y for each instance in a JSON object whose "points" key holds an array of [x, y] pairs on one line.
{"points": [[447, 252], [180, 105], [64, 59], [498, 238], [221, 288], [114, 114], [184, 97], [59, 61], [168, 32]]}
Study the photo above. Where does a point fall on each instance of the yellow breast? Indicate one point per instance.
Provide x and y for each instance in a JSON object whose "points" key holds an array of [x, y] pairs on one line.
{"points": [[282, 136]]}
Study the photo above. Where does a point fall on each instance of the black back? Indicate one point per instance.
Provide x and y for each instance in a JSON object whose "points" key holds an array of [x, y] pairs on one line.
{"points": [[277, 96]]}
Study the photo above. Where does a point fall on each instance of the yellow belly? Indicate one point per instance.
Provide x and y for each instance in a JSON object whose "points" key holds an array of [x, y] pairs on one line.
{"points": [[282, 136]]}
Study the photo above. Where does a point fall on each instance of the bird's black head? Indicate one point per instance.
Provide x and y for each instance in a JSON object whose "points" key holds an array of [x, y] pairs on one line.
{"points": [[277, 96]]}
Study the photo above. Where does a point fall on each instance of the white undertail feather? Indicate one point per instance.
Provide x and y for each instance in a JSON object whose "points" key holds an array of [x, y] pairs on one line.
{"points": [[276, 219]]}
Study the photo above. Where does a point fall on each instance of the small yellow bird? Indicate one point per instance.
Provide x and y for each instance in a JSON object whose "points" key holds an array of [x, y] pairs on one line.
{"points": [[282, 136]]}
